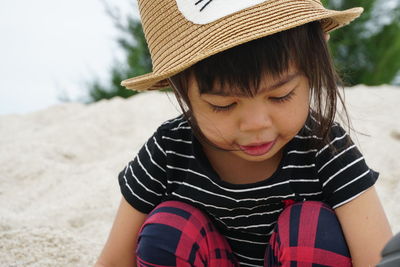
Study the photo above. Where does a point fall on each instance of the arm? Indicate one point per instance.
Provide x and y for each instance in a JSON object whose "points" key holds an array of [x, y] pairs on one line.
{"points": [[120, 247], [365, 228]]}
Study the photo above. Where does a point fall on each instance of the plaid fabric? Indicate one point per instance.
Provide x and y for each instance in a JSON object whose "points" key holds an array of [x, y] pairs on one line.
{"points": [[177, 234], [307, 234]]}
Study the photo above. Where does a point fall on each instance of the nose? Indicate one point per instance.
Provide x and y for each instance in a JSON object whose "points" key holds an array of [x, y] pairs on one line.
{"points": [[255, 117]]}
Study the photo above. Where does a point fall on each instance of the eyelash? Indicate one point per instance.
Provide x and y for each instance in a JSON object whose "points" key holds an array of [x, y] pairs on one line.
{"points": [[285, 98], [222, 108], [282, 99]]}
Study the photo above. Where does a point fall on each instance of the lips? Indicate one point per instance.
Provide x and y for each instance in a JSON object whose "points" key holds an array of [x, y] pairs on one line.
{"points": [[257, 149]]}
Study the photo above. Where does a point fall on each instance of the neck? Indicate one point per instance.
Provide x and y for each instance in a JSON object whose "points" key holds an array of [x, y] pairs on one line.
{"points": [[233, 169]]}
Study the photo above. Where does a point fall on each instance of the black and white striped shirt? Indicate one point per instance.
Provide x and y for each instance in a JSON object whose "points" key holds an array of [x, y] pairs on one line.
{"points": [[172, 166]]}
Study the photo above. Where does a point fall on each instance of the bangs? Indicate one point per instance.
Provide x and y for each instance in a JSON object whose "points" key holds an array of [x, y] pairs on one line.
{"points": [[239, 70]]}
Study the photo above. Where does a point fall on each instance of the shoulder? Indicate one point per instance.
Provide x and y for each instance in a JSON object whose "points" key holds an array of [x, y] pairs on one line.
{"points": [[311, 138], [174, 131], [173, 138], [338, 145], [167, 136], [175, 124], [337, 138], [336, 151], [174, 127]]}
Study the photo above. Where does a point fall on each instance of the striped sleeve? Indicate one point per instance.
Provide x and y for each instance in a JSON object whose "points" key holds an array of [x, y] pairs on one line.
{"points": [[143, 180], [342, 170]]}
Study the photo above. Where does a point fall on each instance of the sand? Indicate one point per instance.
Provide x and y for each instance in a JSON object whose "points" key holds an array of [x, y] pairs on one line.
{"points": [[59, 166]]}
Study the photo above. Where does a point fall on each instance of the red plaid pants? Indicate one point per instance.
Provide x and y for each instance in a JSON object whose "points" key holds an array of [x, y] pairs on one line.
{"points": [[307, 234]]}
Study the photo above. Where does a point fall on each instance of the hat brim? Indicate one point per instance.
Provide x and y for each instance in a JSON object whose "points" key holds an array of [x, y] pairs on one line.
{"points": [[251, 25]]}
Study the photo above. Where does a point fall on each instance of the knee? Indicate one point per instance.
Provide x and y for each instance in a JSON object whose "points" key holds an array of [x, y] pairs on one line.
{"points": [[178, 215], [308, 215], [178, 234], [316, 216], [308, 232], [306, 209], [312, 223], [167, 227]]}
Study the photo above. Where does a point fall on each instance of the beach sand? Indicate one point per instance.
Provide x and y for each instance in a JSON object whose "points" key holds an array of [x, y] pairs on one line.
{"points": [[58, 169]]}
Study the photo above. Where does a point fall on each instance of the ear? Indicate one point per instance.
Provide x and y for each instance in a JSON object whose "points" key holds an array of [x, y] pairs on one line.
{"points": [[327, 36]]}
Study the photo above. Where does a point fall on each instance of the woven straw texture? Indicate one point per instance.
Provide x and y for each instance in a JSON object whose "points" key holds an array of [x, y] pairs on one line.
{"points": [[176, 43]]}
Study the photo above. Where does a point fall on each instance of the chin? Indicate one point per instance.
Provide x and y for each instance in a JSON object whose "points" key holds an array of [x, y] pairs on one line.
{"points": [[252, 158]]}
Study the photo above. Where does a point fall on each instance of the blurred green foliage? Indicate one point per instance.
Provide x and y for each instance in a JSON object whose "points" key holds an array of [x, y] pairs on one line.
{"points": [[137, 59], [366, 52]]}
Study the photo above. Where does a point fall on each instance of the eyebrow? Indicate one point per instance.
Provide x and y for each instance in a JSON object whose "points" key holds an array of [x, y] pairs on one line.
{"points": [[274, 86]]}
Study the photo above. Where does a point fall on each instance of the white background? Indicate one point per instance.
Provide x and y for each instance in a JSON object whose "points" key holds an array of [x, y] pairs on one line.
{"points": [[50, 49]]}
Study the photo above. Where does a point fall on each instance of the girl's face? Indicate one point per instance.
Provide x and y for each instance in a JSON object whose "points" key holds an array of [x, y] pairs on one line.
{"points": [[254, 128]]}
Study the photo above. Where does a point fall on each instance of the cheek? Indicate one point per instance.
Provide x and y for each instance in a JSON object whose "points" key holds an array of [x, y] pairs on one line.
{"points": [[208, 122], [216, 130], [304, 105], [293, 120], [206, 125]]}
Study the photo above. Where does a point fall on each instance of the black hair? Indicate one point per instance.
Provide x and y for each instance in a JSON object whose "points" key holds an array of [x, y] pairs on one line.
{"points": [[241, 68]]}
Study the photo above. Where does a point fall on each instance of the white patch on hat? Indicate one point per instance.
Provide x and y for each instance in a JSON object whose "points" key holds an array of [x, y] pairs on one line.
{"points": [[206, 11]]}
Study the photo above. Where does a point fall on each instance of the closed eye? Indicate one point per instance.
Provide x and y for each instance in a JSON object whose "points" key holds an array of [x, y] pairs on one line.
{"points": [[284, 98], [222, 108]]}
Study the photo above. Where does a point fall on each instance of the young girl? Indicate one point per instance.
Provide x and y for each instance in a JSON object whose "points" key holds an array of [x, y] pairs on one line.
{"points": [[255, 172]]}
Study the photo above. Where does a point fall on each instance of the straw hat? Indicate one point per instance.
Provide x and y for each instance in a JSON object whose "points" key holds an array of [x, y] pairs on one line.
{"points": [[180, 33]]}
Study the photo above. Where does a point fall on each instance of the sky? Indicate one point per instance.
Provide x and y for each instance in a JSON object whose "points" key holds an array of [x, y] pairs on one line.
{"points": [[51, 49]]}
